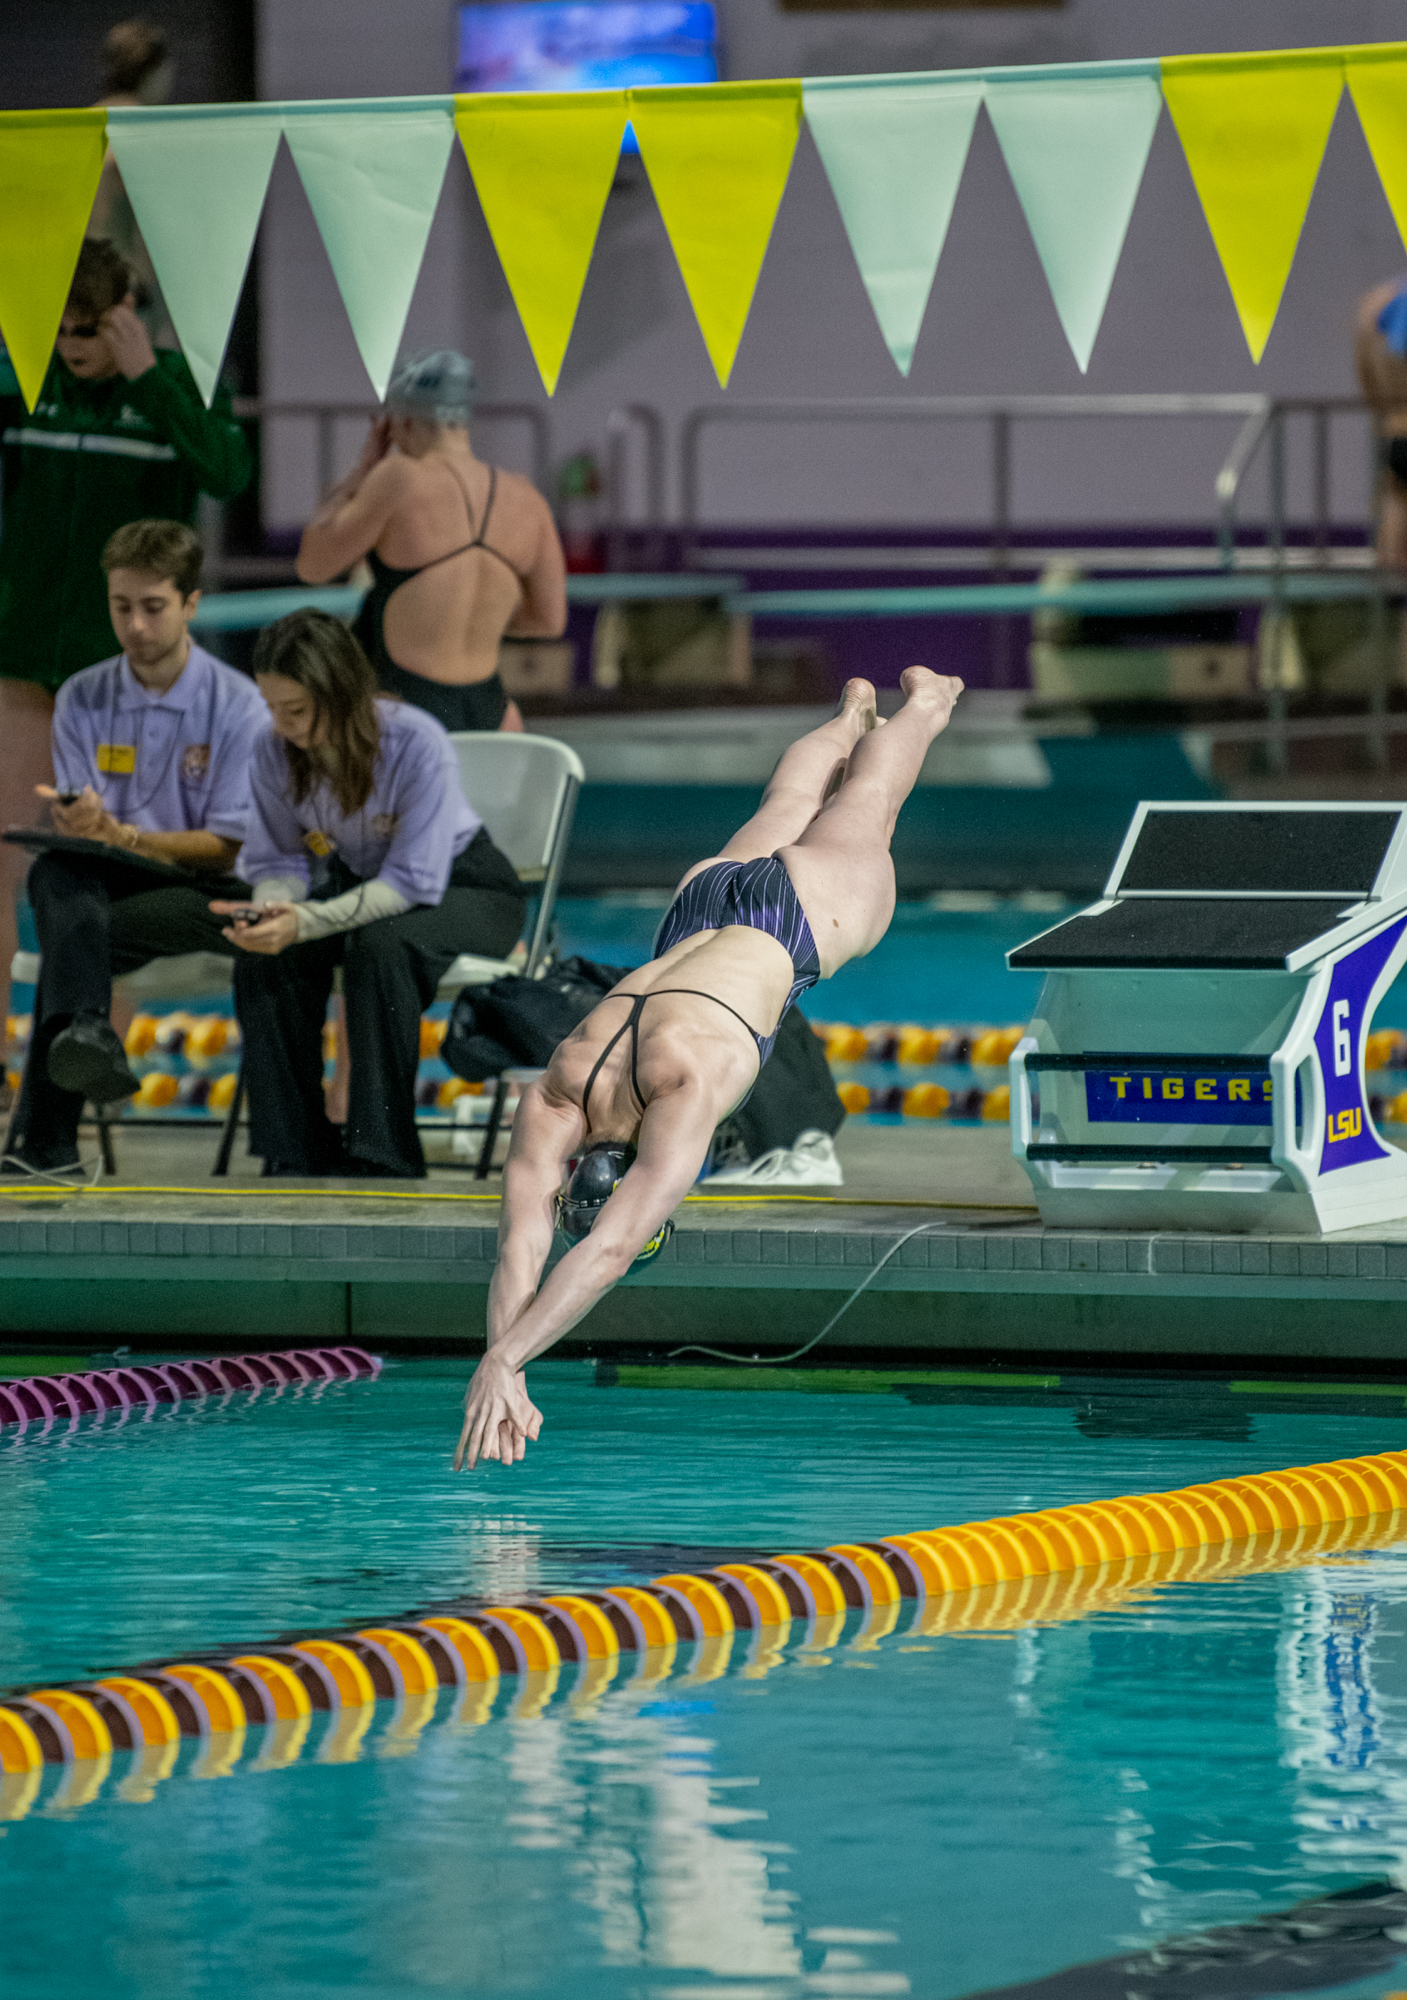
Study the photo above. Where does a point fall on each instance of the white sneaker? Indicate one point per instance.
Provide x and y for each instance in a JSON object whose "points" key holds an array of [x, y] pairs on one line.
{"points": [[811, 1162]]}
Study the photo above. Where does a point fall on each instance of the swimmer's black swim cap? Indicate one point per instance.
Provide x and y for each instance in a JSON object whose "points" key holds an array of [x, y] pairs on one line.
{"points": [[598, 1173], [591, 1186]]}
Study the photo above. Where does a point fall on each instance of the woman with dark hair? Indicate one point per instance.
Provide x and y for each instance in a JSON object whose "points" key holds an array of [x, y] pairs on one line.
{"points": [[461, 554], [363, 853]]}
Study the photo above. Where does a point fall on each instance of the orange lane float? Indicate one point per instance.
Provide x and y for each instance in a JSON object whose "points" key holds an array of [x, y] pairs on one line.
{"points": [[1054, 1564]]}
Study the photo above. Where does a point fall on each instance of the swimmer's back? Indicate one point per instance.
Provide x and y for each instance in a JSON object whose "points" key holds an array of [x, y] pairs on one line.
{"points": [[446, 623], [698, 1036]]}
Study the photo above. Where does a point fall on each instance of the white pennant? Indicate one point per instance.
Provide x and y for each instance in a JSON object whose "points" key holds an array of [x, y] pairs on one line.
{"points": [[894, 148], [196, 179], [1075, 140], [372, 171]]}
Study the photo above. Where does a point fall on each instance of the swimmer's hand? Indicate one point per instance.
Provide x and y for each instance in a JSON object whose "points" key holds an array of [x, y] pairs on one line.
{"points": [[499, 1415]]}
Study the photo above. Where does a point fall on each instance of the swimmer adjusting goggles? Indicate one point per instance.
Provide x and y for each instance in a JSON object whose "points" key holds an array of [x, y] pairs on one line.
{"points": [[598, 1173]]}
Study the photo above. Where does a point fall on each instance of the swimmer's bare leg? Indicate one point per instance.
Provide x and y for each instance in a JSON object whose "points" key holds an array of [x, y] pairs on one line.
{"points": [[840, 862], [809, 772]]}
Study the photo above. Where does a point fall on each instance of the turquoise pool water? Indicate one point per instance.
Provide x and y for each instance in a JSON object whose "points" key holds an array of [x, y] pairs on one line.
{"points": [[937, 1816], [932, 965]]}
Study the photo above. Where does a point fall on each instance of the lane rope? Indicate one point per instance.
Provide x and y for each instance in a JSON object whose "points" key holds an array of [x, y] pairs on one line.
{"points": [[1018, 1570], [26, 1399]]}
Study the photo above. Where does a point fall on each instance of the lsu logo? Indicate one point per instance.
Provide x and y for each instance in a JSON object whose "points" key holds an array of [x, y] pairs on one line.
{"points": [[195, 762], [1347, 1125]]}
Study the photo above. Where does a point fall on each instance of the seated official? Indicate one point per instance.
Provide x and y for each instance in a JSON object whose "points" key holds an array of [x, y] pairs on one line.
{"points": [[152, 748], [363, 853]]}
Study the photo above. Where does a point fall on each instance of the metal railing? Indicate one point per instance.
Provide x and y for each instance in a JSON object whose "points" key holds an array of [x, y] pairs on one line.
{"points": [[326, 416], [1267, 427], [645, 422], [1000, 414]]}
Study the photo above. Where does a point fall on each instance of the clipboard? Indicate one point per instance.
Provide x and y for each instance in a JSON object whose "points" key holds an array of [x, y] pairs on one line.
{"points": [[41, 840]]}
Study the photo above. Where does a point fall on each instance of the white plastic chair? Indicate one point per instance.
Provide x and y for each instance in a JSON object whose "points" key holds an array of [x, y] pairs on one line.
{"points": [[524, 788]]}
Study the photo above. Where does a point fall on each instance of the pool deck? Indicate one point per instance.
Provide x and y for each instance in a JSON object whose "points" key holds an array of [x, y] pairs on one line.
{"points": [[247, 1262]]}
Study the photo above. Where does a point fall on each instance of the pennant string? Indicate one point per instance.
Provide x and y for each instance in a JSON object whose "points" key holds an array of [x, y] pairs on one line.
{"points": [[1075, 138]]}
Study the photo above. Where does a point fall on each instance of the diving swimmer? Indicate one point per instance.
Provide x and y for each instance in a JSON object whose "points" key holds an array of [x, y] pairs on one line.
{"points": [[635, 1093]]}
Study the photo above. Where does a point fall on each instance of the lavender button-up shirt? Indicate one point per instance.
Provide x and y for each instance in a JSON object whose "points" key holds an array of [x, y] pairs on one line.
{"points": [[176, 762], [413, 825]]}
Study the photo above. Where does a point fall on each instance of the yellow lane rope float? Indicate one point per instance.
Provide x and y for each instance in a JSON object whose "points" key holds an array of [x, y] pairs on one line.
{"points": [[1045, 1567]]}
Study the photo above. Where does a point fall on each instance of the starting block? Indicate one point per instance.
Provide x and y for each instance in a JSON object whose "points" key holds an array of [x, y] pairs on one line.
{"points": [[1196, 1059]]}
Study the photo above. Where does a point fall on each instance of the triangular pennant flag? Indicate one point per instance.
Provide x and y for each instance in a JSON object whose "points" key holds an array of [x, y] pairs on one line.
{"points": [[1075, 140], [894, 148], [50, 162], [372, 172], [1254, 129], [196, 179], [1377, 77], [718, 156], [543, 166]]}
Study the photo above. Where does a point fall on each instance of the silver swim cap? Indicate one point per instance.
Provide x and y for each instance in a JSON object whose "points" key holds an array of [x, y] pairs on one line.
{"points": [[439, 388]]}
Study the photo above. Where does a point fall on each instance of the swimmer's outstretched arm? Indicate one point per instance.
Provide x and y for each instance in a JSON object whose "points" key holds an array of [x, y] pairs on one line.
{"points": [[499, 1416]]}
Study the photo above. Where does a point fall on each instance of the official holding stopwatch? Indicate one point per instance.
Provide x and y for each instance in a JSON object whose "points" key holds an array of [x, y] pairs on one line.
{"points": [[151, 751]]}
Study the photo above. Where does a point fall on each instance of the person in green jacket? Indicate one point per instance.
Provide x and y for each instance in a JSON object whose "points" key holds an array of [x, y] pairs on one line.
{"points": [[119, 434]]}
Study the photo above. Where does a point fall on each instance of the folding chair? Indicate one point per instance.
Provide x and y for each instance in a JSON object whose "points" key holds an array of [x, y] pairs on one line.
{"points": [[524, 788]]}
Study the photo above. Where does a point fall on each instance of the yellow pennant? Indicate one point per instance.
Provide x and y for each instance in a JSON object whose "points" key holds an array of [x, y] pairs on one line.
{"points": [[543, 164], [718, 156], [1254, 129], [49, 167], [1377, 78]]}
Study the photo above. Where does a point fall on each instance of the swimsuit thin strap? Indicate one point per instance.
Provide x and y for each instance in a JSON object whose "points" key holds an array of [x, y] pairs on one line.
{"points": [[631, 1026], [483, 527], [404, 575], [700, 995], [479, 542]]}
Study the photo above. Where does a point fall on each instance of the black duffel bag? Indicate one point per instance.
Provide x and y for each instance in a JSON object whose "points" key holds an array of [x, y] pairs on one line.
{"points": [[516, 1023]]}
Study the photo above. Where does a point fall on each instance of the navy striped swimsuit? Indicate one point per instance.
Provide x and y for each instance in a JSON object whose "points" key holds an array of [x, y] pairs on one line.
{"points": [[756, 894], [760, 896]]}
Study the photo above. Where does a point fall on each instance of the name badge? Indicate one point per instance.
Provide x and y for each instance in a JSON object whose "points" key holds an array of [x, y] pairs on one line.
{"points": [[117, 760], [319, 844]]}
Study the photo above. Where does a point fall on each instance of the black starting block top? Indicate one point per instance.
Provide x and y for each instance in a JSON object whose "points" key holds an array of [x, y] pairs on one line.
{"points": [[1191, 932], [1211, 886]]}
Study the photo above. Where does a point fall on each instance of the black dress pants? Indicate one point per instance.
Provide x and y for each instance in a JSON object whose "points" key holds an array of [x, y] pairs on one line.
{"points": [[390, 971], [95, 919]]}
